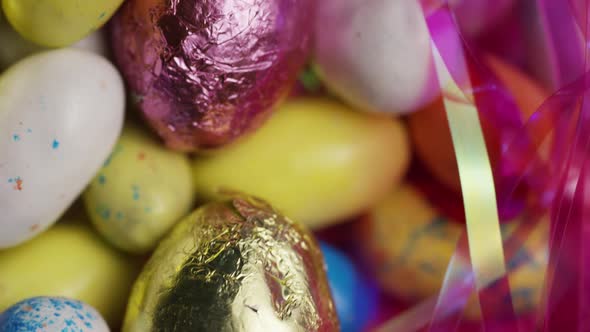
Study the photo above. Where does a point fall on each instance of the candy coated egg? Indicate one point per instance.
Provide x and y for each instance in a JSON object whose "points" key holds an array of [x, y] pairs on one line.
{"points": [[14, 47], [58, 23], [355, 301], [206, 72], [233, 265], [68, 260], [430, 132], [62, 112], [409, 245], [375, 54], [316, 160], [475, 16], [140, 192], [45, 313]]}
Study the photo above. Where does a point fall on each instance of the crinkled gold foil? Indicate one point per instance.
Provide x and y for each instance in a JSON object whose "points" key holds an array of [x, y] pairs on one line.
{"points": [[235, 265]]}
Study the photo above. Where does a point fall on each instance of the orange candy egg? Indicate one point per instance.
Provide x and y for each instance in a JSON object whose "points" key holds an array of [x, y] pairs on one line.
{"points": [[430, 130]]}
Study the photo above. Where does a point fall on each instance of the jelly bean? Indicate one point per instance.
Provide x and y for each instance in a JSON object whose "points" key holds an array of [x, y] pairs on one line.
{"points": [[62, 112], [355, 301], [140, 192], [68, 260], [51, 314], [409, 246], [315, 159], [58, 23]]}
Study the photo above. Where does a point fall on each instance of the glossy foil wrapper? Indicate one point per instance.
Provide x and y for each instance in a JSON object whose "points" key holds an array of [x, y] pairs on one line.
{"points": [[205, 72], [234, 266]]}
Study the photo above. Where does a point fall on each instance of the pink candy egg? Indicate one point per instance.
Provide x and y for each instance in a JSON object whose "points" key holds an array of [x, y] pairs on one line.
{"points": [[206, 72]]}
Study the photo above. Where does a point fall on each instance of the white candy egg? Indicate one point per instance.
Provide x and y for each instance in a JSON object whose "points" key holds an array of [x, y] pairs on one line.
{"points": [[52, 314], [61, 113], [375, 54]]}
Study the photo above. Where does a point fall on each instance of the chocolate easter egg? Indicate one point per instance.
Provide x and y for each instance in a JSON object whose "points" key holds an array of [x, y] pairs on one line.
{"points": [[234, 265], [206, 72]]}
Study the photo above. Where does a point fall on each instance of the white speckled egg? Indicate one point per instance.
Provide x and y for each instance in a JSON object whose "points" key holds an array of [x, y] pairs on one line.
{"points": [[39, 314], [61, 113]]}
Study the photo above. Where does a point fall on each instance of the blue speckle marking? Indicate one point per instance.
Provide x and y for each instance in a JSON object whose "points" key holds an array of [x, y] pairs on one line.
{"points": [[105, 214], [135, 192], [55, 144], [147, 209], [16, 137], [29, 130], [120, 215], [102, 15], [11, 180], [102, 179]]}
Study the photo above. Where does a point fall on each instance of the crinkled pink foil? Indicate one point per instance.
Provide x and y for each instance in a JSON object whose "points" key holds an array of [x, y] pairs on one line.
{"points": [[206, 71]]}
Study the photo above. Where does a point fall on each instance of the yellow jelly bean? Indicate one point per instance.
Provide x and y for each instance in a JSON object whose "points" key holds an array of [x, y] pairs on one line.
{"points": [[140, 192], [58, 23], [68, 260], [315, 159], [409, 245]]}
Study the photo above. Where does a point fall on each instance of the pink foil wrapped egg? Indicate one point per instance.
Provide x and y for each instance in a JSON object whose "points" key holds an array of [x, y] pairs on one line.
{"points": [[206, 71]]}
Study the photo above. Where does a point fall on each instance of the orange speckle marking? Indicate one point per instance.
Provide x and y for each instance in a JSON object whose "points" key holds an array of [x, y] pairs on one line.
{"points": [[19, 185], [34, 227], [27, 308], [141, 156]]}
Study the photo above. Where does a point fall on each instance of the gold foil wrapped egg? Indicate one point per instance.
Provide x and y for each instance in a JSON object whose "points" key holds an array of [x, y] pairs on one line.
{"points": [[234, 265]]}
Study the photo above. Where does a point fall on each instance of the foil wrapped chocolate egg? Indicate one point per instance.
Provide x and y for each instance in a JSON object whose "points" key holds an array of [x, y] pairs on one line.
{"points": [[206, 72], [234, 265]]}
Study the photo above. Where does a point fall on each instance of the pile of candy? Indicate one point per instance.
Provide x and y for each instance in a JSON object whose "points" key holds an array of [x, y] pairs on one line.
{"points": [[274, 165]]}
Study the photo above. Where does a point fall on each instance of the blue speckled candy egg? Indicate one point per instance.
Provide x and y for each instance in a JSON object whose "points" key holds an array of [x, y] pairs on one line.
{"points": [[51, 314], [355, 300]]}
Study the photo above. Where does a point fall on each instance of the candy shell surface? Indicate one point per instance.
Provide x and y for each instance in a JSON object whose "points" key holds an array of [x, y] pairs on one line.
{"points": [[409, 245], [316, 160], [61, 113], [355, 301], [375, 54], [40, 314], [431, 135], [14, 47], [140, 192], [206, 72], [234, 265], [58, 23], [68, 260]]}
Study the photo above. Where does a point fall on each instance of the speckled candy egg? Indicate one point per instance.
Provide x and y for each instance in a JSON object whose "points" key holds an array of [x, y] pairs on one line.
{"points": [[409, 244], [205, 72], [41, 314], [68, 260], [140, 192], [316, 160], [61, 114]]}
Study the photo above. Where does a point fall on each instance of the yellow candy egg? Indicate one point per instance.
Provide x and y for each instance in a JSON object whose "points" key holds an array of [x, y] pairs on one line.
{"points": [[68, 260], [140, 192], [57, 23], [409, 246], [316, 160]]}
